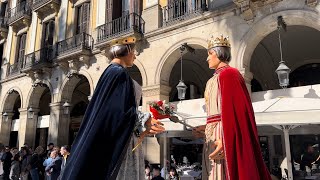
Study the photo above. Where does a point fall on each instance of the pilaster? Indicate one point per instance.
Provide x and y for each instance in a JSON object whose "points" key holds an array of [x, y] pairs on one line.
{"points": [[28, 127], [58, 125], [5, 128]]}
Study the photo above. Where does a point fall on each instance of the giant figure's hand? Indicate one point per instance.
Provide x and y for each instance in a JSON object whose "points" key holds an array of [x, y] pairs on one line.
{"points": [[154, 126], [218, 153]]}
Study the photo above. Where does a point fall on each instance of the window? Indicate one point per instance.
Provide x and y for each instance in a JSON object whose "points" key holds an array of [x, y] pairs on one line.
{"points": [[21, 48], [125, 7], [48, 33], [3, 9], [116, 8], [83, 18]]}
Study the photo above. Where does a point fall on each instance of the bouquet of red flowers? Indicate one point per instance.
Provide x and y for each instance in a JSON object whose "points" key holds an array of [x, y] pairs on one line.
{"points": [[160, 110]]}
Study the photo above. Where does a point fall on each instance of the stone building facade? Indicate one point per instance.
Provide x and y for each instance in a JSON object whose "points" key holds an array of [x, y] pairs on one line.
{"points": [[53, 53]]}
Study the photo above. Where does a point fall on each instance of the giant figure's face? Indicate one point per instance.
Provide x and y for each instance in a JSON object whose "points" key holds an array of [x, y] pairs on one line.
{"points": [[212, 59]]}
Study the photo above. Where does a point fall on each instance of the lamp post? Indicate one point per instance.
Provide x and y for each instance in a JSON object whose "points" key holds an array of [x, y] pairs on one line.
{"points": [[282, 70], [66, 108], [181, 87]]}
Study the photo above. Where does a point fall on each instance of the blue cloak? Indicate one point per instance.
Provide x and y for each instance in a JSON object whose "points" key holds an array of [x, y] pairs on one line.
{"points": [[106, 129]]}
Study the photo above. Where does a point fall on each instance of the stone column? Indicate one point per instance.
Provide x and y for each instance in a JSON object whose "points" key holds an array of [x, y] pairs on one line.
{"points": [[5, 128], [28, 127], [248, 76], [58, 125], [152, 15]]}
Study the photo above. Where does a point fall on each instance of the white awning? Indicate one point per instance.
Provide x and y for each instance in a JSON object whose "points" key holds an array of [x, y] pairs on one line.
{"points": [[286, 110], [277, 111]]}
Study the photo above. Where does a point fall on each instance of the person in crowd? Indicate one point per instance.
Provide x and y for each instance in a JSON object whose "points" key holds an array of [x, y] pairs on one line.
{"points": [[15, 168], [65, 152], [173, 174], [34, 162], [46, 163], [2, 151], [156, 174], [49, 149], [147, 173], [165, 170], [6, 160], [308, 158], [25, 158], [54, 168]]}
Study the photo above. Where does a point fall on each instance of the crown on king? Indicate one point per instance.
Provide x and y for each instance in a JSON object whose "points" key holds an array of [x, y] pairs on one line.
{"points": [[218, 42], [122, 41]]}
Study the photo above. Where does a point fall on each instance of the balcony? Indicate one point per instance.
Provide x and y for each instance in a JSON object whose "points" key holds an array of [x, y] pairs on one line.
{"points": [[46, 7], [38, 60], [74, 47], [180, 10], [20, 16], [129, 25], [3, 28], [13, 69]]}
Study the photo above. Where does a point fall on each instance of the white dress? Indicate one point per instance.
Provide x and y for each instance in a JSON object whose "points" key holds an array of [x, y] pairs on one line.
{"points": [[133, 165]]}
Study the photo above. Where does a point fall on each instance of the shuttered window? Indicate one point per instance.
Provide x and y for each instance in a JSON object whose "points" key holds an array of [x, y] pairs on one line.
{"points": [[109, 10], [21, 48], [119, 8], [48, 33], [83, 18], [3, 9]]}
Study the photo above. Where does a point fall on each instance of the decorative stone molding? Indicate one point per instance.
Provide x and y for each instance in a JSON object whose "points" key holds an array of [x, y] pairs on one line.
{"points": [[85, 60], [248, 7], [311, 3], [39, 76], [71, 68], [12, 91]]}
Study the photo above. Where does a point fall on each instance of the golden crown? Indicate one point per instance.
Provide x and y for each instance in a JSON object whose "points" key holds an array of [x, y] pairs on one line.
{"points": [[122, 41], [218, 42]]}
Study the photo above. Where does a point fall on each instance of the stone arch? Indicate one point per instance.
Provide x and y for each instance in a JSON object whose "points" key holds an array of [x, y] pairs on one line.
{"points": [[69, 85], [142, 72], [169, 59], [302, 63], [89, 78], [9, 99], [35, 93], [259, 30]]}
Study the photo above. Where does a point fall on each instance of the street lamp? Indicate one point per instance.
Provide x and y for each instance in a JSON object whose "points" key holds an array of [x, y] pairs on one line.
{"points": [[66, 107], [181, 87], [283, 70], [5, 116], [30, 113]]}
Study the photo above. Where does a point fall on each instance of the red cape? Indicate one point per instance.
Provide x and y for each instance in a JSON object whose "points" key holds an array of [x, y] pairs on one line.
{"points": [[241, 145]]}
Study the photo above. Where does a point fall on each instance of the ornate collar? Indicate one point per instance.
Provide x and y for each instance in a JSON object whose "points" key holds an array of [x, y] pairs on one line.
{"points": [[217, 71]]}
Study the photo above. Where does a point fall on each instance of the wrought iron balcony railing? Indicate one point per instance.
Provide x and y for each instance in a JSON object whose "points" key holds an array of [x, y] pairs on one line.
{"points": [[130, 23], [38, 3], [40, 58], [179, 10], [76, 43], [19, 11], [13, 69]]}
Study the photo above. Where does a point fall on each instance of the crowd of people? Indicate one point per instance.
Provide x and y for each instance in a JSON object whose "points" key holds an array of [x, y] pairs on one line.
{"points": [[36, 164], [156, 174]]}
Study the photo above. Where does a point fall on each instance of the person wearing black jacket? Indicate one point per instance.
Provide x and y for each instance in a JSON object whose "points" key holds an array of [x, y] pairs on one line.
{"points": [[6, 159], [34, 163]]}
